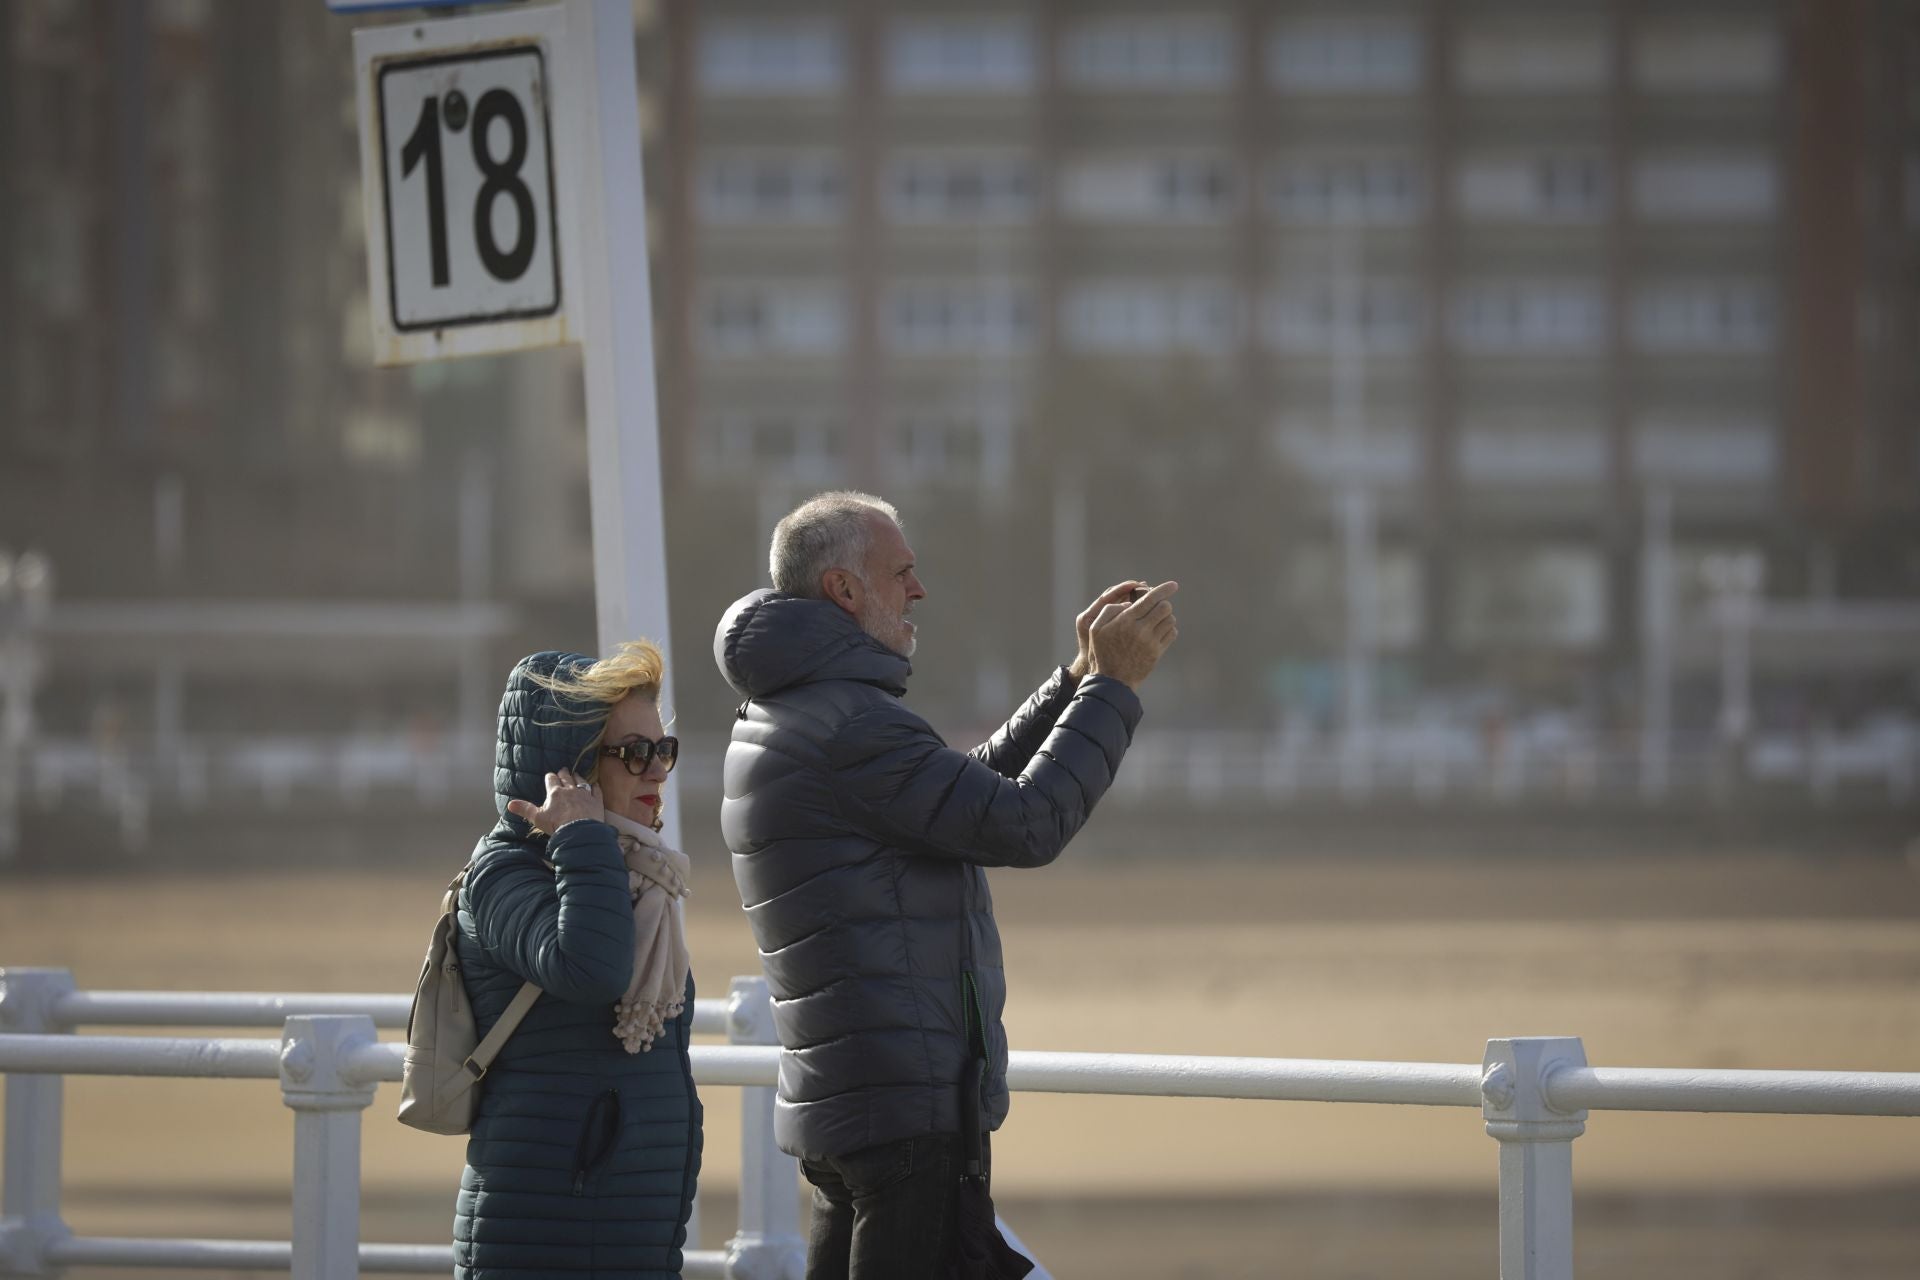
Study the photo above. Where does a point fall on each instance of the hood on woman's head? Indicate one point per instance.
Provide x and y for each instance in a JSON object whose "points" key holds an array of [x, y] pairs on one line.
{"points": [[540, 732]]}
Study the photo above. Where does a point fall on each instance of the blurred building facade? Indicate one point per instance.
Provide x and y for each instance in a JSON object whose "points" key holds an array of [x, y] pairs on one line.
{"points": [[1421, 339], [251, 528], [1446, 300]]}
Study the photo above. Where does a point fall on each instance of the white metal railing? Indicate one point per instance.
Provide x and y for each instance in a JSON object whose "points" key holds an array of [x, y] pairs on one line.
{"points": [[328, 1060], [1534, 1096]]}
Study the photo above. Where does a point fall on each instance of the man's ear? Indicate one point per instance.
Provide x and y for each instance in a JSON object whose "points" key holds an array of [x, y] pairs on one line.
{"points": [[842, 588]]}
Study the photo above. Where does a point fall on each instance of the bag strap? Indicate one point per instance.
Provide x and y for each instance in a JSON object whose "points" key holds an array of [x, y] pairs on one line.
{"points": [[488, 1049]]}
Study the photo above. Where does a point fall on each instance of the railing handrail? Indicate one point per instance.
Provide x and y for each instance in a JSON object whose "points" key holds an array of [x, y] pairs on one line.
{"points": [[1534, 1094], [234, 1255], [267, 1009], [1740, 1092], [1440, 1084]]}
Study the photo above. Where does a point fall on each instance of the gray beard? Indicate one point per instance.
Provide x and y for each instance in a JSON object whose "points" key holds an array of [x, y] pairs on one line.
{"points": [[887, 625]]}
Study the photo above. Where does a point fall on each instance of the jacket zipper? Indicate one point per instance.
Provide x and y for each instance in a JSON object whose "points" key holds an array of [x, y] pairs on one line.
{"points": [[687, 1191], [587, 1153]]}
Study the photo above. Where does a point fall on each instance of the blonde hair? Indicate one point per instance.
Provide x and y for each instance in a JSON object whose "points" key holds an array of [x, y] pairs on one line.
{"points": [[589, 693]]}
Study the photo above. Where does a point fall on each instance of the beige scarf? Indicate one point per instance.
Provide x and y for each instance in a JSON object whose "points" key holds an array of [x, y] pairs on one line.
{"points": [[657, 878]]}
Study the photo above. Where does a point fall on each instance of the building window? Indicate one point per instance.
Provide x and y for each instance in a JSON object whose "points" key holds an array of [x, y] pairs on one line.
{"points": [[1384, 316], [1706, 54], [1119, 317], [1547, 448], [1536, 315], [1163, 54], [1165, 189], [1385, 452], [1549, 188], [957, 318], [801, 444], [1316, 583], [803, 320], [963, 446], [796, 188], [960, 55], [1684, 448], [937, 187], [1368, 190], [1345, 55], [1544, 56], [1547, 596], [55, 263], [1704, 316], [42, 390], [766, 57], [184, 15], [181, 381], [1731, 188]]}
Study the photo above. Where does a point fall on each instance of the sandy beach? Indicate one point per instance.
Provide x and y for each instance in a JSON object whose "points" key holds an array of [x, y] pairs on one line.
{"points": [[1720, 962]]}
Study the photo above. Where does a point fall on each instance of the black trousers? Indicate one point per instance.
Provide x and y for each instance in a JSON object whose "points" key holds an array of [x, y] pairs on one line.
{"points": [[886, 1213]]}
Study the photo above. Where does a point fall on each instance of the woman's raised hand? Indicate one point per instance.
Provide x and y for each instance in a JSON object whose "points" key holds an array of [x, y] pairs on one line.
{"points": [[569, 799]]}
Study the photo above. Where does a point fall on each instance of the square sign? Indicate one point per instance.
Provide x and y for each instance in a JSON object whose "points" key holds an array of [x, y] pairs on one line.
{"points": [[458, 160]]}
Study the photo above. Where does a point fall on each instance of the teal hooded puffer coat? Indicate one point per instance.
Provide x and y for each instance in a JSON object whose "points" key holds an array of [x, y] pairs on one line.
{"points": [[583, 1157]]}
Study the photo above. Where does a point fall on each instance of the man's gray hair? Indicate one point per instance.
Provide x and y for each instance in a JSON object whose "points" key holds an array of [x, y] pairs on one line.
{"points": [[830, 531]]}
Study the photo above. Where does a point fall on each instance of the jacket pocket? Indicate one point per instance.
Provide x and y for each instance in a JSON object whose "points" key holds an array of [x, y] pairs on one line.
{"points": [[599, 1134], [975, 1014], [873, 1170]]}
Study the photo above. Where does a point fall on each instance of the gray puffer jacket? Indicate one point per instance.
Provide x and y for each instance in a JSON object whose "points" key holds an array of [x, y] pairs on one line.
{"points": [[858, 836]]}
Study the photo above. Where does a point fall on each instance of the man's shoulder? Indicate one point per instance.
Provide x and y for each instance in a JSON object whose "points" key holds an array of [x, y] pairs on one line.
{"points": [[836, 702], [836, 717]]}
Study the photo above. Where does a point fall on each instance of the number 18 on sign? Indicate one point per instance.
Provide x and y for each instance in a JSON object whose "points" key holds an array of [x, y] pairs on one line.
{"points": [[458, 160]]}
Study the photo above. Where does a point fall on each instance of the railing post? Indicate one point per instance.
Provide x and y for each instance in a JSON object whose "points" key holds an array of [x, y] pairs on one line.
{"points": [[1536, 1153], [767, 1245], [326, 1141], [30, 1221]]}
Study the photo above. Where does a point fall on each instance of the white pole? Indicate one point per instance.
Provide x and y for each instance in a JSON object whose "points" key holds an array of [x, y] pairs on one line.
{"points": [[1656, 636], [470, 718], [602, 132], [30, 1220], [1536, 1153], [1070, 573], [326, 1102], [1356, 535], [1356, 514], [1736, 700], [767, 1244]]}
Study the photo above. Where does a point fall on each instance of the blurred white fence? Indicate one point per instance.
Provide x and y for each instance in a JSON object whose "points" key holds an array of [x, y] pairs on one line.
{"points": [[1534, 1096], [1545, 759], [1542, 758]]}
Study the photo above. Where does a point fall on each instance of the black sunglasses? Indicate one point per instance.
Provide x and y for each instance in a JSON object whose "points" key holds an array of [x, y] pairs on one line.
{"points": [[639, 754]]}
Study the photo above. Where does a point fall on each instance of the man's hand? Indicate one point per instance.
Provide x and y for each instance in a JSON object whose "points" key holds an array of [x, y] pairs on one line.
{"points": [[1118, 593], [1126, 641], [568, 800]]}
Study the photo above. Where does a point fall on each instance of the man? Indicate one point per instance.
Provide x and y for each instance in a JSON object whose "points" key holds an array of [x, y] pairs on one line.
{"points": [[858, 836]]}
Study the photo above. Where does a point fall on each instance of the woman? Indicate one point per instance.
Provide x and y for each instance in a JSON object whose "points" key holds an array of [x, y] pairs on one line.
{"points": [[586, 1143]]}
